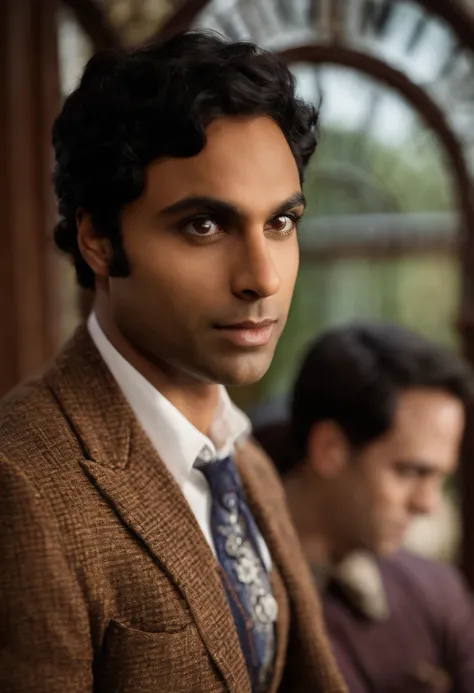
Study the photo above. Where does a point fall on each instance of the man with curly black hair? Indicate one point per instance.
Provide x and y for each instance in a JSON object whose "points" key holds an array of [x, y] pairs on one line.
{"points": [[145, 542]]}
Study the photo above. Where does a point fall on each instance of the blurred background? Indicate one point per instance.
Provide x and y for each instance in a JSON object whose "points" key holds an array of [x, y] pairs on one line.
{"points": [[389, 232]]}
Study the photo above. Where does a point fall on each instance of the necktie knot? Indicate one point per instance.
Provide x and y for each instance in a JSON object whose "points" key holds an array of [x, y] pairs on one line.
{"points": [[223, 478]]}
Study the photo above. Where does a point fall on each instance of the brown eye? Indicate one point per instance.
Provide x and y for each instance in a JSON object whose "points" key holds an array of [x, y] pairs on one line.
{"points": [[283, 224], [204, 227]]}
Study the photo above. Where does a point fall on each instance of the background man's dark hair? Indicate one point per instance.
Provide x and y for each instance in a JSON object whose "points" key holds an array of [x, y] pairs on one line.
{"points": [[353, 374], [132, 108]]}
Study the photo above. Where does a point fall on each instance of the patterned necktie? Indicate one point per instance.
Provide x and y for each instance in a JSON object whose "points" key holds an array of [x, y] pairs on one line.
{"points": [[243, 573]]}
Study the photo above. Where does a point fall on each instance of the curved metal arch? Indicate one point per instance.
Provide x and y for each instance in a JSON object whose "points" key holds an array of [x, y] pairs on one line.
{"points": [[420, 101]]}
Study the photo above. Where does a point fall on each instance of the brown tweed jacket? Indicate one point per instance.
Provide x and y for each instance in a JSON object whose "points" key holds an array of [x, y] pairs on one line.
{"points": [[106, 581]]}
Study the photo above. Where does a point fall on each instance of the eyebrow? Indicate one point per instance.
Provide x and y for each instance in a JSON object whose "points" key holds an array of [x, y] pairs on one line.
{"points": [[218, 206]]}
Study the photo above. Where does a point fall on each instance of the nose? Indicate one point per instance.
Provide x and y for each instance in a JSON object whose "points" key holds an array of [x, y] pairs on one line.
{"points": [[255, 275], [425, 499]]}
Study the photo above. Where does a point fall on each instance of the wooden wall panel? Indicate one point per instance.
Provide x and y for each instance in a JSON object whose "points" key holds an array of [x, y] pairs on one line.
{"points": [[29, 99]]}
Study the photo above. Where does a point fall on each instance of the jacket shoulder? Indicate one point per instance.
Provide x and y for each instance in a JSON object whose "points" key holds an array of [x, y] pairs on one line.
{"points": [[33, 427]]}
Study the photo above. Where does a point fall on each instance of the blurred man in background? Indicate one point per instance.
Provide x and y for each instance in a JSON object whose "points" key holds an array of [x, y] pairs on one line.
{"points": [[377, 419]]}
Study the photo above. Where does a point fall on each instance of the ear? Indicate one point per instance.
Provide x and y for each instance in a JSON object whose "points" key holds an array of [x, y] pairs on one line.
{"points": [[328, 449], [95, 250]]}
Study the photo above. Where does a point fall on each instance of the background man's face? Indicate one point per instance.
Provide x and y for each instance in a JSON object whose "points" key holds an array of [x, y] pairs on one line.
{"points": [[199, 268], [400, 475]]}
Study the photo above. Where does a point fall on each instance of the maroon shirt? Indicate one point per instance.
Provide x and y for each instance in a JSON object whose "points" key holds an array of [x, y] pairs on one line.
{"points": [[426, 645]]}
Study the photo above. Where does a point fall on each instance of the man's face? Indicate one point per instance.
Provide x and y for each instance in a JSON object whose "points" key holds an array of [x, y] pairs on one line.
{"points": [[399, 476], [213, 252]]}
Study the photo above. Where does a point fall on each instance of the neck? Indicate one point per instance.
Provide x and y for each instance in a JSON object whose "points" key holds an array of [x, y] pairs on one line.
{"points": [[196, 400], [309, 513]]}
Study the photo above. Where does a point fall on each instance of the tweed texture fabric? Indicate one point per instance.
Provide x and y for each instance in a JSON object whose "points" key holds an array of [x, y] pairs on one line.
{"points": [[106, 580]]}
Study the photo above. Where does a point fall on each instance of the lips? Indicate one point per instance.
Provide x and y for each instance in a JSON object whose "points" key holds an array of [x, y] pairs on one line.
{"points": [[247, 324], [248, 333]]}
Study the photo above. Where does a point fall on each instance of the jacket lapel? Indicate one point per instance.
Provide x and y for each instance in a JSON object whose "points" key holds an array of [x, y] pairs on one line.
{"points": [[282, 628], [120, 460]]}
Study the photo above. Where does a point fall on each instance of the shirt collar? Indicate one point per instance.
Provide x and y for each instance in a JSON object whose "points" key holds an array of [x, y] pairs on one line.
{"points": [[178, 443], [360, 578]]}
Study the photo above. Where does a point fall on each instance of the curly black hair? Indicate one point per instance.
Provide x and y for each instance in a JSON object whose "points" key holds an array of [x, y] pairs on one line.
{"points": [[131, 108]]}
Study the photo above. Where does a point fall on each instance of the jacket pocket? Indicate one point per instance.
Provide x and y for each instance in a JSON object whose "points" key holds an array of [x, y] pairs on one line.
{"points": [[134, 660]]}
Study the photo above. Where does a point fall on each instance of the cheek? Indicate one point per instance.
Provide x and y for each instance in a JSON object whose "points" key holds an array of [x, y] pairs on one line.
{"points": [[358, 500], [176, 275], [286, 261]]}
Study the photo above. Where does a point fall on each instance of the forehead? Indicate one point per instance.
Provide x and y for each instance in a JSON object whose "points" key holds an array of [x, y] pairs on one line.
{"points": [[246, 161], [428, 425], [422, 411]]}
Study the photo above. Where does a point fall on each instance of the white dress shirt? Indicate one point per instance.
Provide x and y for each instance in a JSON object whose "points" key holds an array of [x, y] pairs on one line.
{"points": [[178, 443]]}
